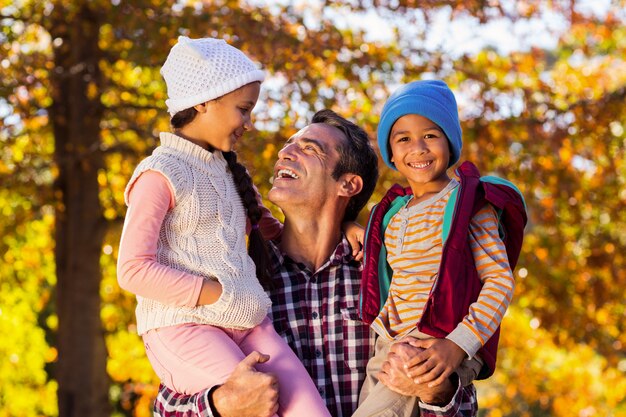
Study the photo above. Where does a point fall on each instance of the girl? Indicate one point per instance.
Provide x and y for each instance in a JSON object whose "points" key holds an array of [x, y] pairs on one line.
{"points": [[200, 307], [420, 136]]}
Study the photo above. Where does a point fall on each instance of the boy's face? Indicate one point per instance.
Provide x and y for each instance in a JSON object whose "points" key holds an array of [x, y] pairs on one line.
{"points": [[420, 152]]}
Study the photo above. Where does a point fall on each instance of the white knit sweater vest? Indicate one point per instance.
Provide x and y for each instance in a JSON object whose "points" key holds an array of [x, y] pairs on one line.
{"points": [[204, 235]]}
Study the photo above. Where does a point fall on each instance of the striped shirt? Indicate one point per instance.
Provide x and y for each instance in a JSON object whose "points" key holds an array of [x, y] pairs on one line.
{"points": [[414, 245]]}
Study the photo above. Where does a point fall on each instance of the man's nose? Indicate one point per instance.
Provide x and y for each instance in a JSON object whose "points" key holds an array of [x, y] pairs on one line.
{"points": [[287, 151]]}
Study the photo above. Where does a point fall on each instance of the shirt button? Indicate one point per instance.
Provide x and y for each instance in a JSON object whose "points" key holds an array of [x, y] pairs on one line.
{"points": [[313, 280], [318, 353], [314, 314], [321, 390]]}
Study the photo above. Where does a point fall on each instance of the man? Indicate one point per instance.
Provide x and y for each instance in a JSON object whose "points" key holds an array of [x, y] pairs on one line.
{"points": [[324, 176]]}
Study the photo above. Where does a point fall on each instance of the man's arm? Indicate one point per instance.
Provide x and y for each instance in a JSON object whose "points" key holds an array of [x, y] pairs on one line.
{"points": [[463, 404], [449, 399], [169, 403], [246, 393]]}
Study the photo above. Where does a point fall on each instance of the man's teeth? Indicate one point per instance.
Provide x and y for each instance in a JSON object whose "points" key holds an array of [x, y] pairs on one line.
{"points": [[287, 173], [420, 164]]}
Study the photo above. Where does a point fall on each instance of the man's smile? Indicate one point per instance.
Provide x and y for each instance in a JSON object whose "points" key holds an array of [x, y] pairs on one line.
{"points": [[286, 173]]}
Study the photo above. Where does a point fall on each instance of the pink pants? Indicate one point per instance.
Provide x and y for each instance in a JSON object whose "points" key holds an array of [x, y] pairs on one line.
{"points": [[191, 357]]}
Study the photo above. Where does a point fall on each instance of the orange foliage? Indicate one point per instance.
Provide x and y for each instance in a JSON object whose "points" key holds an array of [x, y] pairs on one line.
{"points": [[552, 121]]}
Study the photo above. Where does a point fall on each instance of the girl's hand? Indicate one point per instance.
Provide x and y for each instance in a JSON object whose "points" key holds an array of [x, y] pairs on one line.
{"points": [[210, 292], [355, 233], [436, 362]]}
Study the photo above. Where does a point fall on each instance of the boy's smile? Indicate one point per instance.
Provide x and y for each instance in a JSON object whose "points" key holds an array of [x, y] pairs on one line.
{"points": [[420, 152]]}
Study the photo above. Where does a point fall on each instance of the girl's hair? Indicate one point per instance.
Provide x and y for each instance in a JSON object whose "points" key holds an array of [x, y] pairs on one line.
{"points": [[257, 248], [183, 118]]}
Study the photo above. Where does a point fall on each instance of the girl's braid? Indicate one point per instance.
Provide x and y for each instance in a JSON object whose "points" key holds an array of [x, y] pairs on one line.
{"points": [[257, 248]]}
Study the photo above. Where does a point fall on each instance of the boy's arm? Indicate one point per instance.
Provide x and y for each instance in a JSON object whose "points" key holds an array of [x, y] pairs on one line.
{"points": [[492, 265], [442, 356], [355, 233]]}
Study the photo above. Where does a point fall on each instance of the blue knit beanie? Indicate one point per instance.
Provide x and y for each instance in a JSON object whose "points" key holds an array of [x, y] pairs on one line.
{"points": [[432, 99]]}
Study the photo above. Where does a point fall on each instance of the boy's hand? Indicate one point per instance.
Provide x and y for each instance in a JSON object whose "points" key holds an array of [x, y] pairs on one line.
{"points": [[405, 349], [436, 363], [394, 376], [355, 233]]}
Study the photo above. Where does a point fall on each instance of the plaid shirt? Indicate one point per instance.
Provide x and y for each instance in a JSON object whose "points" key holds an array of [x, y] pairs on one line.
{"points": [[171, 404], [316, 312], [463, 404]]}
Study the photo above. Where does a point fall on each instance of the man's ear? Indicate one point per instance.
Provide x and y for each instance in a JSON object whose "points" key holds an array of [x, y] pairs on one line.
{"points": [[350, 185]]}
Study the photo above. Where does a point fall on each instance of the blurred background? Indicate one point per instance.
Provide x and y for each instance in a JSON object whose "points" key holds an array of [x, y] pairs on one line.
{"points": [[541, 87]]}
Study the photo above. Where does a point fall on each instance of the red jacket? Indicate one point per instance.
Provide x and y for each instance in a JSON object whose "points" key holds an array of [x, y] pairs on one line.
{"points": [[458, 284]]}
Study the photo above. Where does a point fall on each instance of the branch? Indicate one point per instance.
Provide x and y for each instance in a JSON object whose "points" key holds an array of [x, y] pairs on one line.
{"points": [[122, 148], [128, 106]]}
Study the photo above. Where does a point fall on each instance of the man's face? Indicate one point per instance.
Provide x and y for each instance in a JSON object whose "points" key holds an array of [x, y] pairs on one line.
{"points": [[303, 172]]}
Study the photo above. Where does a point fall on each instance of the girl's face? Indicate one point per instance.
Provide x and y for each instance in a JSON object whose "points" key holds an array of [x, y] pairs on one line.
{"points": [[420, 152], [224, 120]]}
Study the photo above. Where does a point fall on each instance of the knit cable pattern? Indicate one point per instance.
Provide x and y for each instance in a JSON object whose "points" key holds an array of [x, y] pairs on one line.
{"points": [[204, 234]]}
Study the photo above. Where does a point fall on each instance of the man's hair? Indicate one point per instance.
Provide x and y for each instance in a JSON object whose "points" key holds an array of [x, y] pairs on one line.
{"points": [[356, 156]]}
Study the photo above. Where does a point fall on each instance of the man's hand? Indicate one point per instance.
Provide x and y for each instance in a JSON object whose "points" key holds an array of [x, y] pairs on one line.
{"points": [[393, 374], [247, 392], [438, 359]]}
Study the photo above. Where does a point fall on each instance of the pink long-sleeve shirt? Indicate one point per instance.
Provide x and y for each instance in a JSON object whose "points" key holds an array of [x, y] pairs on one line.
{"points": [[137, 268]]}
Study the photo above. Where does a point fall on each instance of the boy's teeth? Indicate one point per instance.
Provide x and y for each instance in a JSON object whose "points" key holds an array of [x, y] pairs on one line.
{"points": [[419, 164], [287, 173]]}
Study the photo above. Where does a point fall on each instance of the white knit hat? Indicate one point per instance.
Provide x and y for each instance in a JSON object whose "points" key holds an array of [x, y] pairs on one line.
{"points": [[199, 70]]}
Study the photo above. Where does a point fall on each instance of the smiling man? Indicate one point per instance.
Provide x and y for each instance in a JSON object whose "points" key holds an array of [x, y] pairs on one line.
{"points": [[324, 176]]}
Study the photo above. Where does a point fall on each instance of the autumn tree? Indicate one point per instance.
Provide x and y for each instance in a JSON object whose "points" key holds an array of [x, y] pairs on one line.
{"points": [[81, 102]]}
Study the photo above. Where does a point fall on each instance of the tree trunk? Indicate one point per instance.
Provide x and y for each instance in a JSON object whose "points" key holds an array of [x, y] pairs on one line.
{"points": [[76, 113]]}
